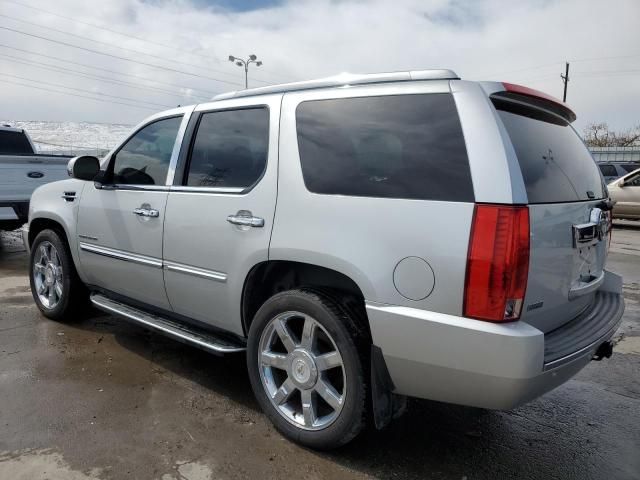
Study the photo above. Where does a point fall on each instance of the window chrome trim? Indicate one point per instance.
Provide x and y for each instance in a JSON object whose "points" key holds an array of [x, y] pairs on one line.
{"points": [[120, 255], [181, 188], [144, 188], [195, 271], [175, 153]]}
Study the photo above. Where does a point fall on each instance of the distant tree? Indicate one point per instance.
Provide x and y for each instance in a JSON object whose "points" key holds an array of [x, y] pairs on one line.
{"points": [[599, 135]]}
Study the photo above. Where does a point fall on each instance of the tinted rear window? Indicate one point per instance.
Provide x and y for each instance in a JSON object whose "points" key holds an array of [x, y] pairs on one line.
{"points": [[630, 167], [404, 146], [14, 143], [230, 148], [556, 165], [608, 170]]}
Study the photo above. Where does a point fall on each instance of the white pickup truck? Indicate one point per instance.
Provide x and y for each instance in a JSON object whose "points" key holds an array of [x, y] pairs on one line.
{"points": [[22, 170]]}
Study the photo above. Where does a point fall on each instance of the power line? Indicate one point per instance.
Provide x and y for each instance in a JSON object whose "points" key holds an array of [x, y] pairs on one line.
{"points": [[518, 70], [609, 71], [75, 95], [107, 70], [153, 65], [86, 91], [114, 81], [100, 27], [118, 46], [605, 58], [555, 64]]}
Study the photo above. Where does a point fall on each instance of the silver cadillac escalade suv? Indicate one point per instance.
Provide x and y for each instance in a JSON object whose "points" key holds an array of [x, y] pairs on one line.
{"points": [[363, 238]]}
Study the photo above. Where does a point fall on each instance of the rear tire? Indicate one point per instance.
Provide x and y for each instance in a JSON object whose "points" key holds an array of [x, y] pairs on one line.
{"points": [[312, 385], [56, 288]]}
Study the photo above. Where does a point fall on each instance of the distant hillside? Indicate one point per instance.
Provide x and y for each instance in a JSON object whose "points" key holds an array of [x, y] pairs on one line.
{"points": [[72, 137]]}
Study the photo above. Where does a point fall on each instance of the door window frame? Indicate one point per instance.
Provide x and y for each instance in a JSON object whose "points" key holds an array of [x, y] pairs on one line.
{"points": [[184, 160], [185, 114]]}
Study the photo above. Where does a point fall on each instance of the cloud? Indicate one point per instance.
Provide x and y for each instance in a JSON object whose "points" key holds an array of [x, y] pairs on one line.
{"points": [[494, 40]]}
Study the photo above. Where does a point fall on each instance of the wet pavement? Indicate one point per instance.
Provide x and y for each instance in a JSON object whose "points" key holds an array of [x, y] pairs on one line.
{"points": [[101, 398]]}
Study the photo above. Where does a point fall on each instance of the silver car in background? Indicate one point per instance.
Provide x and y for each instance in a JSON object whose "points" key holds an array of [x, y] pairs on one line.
{"points": [[363, 237]]}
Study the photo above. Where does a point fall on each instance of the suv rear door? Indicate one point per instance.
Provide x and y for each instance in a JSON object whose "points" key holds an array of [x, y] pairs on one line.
{"points": [[220, 208], [565, 195]]}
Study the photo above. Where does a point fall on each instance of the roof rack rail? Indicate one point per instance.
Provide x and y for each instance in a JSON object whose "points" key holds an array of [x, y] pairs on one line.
{"points": [[344, 79]]}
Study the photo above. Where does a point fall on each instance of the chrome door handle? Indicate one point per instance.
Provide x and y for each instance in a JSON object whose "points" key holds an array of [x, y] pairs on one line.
{"points": [[146, 212], [244, 218]]}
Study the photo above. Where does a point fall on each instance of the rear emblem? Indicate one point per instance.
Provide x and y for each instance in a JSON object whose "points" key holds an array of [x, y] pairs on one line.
{"points": [[35, 174], [534, 306]]}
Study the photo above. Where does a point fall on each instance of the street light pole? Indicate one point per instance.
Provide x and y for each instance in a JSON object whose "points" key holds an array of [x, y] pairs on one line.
{"points": [[245, 63]]}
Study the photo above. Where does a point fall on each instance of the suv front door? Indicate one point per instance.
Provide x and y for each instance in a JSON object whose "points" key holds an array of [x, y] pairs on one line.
{"points": [[220, 209], [120, 224]]}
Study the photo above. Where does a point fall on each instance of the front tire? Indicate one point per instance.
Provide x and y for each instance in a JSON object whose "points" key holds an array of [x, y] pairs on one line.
{"points": [[56, 288], [305, 360]]}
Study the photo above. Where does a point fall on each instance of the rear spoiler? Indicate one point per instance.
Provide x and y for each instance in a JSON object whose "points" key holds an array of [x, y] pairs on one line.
{"points": [[518, 95]]}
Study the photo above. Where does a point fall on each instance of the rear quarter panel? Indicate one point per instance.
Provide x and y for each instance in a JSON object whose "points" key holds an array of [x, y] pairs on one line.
{"points": [[362, 237]]}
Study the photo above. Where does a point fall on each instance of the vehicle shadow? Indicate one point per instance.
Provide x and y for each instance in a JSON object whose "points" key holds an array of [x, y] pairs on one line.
{"points": [[226, 375], [431, 439]]}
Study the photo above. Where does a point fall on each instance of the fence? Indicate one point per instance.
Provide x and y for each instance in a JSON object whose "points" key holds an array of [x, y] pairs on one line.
{"points": [[616, 154], [56, 149]]}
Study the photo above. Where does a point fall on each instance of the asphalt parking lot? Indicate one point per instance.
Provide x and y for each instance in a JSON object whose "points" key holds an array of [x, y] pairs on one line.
{"points": [[101, 398]]}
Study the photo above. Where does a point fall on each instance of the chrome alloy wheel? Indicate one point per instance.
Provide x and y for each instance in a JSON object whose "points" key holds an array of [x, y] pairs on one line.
{"points": [[302, 371], [47, 275]]}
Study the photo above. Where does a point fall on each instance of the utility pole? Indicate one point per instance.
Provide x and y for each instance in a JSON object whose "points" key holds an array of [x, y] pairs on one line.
{"points": [[565, 80], [245, 63]]}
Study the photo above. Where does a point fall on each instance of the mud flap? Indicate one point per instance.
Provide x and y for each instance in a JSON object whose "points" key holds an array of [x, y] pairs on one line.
{"points": [[386, 404]]}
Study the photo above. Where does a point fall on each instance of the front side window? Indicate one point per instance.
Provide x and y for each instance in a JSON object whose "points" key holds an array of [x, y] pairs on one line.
{"points": [[400, 146], [230, 149], [633, 181], [144, 159]]}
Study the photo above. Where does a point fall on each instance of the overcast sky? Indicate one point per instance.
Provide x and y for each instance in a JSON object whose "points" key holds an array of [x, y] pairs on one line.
{"points": [[180, 53]]}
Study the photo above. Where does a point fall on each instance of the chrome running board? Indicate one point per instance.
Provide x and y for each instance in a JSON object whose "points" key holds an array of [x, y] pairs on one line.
{"points": [[186, 333]]}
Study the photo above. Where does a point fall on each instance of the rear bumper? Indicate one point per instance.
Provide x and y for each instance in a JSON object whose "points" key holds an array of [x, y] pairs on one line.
{"points": [[497, 366]]}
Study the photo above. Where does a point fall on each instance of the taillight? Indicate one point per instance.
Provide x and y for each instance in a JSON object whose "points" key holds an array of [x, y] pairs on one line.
{"points": [[498, 263]]}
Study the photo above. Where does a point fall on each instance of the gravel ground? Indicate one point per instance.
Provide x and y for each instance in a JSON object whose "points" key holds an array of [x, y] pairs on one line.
{"points": [[101, 398]]}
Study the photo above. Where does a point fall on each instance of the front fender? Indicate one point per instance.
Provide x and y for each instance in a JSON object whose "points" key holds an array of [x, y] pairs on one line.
{"points": [[47, 203]]}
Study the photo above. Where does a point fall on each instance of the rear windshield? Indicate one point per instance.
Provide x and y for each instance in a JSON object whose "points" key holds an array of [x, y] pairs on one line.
{"points": [[556, 165], [14, 143], [400, 146]]}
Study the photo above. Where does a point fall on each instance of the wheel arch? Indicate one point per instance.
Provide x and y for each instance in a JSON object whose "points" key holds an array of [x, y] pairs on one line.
{"points": [[37, 225], [50, 220], [267, 278]]}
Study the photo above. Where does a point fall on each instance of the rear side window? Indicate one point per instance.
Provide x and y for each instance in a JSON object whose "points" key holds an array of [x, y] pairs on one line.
{"points": [[402, 146], [230, 148], [556, 165], [608, 170], [14, 143]]}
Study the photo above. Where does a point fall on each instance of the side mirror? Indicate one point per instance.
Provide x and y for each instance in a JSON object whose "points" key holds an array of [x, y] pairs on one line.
{"points": [[85, 167]]}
